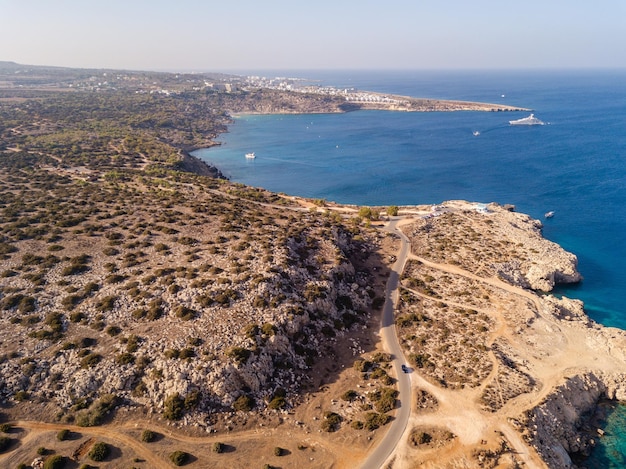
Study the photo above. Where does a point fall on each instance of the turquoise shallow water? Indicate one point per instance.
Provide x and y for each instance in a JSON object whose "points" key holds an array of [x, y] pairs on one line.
{"points": [[610, 452], [575, 166]]}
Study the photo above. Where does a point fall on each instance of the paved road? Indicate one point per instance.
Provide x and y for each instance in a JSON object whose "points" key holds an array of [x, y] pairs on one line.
{"points": [[377, 458]]}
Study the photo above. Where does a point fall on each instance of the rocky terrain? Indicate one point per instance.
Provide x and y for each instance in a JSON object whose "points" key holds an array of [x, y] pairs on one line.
{"points": [[512, 372], [148, 305], [150, 292]]}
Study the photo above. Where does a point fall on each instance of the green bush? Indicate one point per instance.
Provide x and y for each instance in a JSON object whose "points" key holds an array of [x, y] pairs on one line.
{"points": [[357, 425], [218, 447], [173, 407], [278, 402], [184, 313], [54, 462], [98, 410], [179, 458], [331, 422], [244, 403], [148, 436], [20, 396], [63, 434], [99, 451], [125, 358], [90, 360], [239, 354], [374, 420]]}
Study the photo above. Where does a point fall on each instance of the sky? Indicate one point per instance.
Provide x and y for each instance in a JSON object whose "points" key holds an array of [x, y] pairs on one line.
{"points": [[237, 35]]}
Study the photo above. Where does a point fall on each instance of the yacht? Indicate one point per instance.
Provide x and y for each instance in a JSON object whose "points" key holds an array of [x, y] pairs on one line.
{"points": [[549, 214], [530, 120], [250, 156]]}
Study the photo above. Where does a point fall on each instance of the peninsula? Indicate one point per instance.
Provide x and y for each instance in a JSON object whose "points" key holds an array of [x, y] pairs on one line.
{"points": [[153, 313]]}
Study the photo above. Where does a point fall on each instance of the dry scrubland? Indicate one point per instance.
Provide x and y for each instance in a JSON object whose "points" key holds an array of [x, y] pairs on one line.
{"points": [[504, 375], [172, 298], [151, 317], [140, 297]]}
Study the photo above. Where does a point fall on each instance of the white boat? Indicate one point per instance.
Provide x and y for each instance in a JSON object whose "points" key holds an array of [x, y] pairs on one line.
{"points": [[476, 133], [549, 214], [250, 156], [530, 120]]}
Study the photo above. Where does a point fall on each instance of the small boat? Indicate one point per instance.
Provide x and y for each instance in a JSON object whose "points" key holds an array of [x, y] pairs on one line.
{"points": [[476, 133], [549, 214], [250, 156], [530, 120]]}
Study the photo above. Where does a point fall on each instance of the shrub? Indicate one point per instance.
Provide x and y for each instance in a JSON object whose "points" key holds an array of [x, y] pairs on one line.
{"points": [[77, 316], [106, 304], [184, 313], [244, 403], [362, 365], [349, 395], [113, 330], [99, 451], [95, 415], [192, 400], [268, 329], [54, 462], [125, 358], [20, 396], [218, 447], [110, 251], [239, 354], [278, 451], [63, 434], [6, 427], [173, 407], [331, 422], [357, 425], [90, 360], [278, 402], [148, 436], [179, 458], [374, 420]]}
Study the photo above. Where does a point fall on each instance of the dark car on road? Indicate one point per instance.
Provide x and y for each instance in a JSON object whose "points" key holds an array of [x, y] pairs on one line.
{"points": [[405, 368]]}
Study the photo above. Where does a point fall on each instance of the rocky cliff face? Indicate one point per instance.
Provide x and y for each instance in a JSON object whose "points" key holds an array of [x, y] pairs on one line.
{"points": [[494, 241], [544, 264], [558, 425]]}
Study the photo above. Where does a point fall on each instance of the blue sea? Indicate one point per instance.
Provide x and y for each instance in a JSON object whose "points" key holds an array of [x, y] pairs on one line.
{"points": [[575, 165]]}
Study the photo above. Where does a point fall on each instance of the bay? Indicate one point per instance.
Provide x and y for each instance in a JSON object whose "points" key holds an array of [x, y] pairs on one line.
{"points": [[574, 166]]}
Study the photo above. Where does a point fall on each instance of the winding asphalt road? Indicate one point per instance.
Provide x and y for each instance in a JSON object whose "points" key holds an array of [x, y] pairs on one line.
{"points": [[385, 448]]}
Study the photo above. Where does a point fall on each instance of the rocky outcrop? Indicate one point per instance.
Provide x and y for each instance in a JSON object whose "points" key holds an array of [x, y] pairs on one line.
{"points": [[545, 263], [191, 164], [558, 424]]}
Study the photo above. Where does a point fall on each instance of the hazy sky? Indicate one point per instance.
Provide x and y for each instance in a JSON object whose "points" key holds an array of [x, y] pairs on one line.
{"points": [[231, 35]]}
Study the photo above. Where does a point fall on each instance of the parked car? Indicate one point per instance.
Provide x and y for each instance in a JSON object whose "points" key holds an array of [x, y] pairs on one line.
{"points": [[405, 368]]}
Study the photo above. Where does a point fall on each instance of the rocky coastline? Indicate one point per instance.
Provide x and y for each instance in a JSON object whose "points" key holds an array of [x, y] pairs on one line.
{"points": [[133, 293], [191, 164]]}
